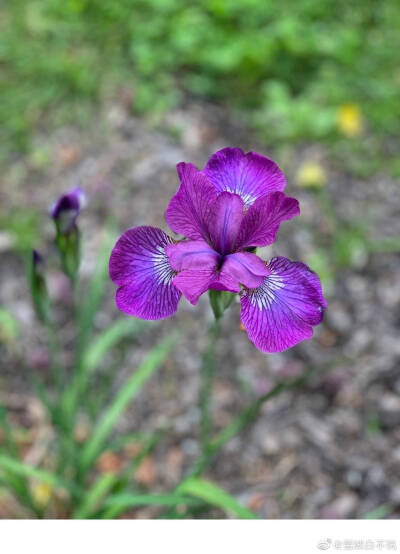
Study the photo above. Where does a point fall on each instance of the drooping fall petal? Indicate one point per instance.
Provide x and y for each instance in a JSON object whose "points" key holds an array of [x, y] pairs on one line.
{"points": [[140, 266], [283, 310]]}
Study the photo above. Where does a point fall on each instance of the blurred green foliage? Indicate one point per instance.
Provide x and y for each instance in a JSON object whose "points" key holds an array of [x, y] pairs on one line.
{"points": [[289, 64], [22, 225], [9, 328], [83, 408]]}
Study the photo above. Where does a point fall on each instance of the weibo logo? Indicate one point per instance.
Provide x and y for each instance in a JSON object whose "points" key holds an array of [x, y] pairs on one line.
{"points": [[324, 544]]}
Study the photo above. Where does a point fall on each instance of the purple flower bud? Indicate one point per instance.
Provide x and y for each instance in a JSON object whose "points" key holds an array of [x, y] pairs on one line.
{"points": [[64, 212], [67, 208]]}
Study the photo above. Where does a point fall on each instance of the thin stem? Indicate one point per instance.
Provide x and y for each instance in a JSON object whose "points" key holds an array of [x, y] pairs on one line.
{"points": [[246, 417], [238, 423], [57, 370], [207, 373]]}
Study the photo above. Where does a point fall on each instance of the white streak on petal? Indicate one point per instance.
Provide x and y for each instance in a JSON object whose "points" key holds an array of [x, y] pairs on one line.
{"points": [[264, 296], [163, 270]]}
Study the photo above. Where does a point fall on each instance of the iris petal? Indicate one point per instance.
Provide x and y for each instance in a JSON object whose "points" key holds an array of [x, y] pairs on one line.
{"points": [[194, 282], [283, 310], [248, 269], [188, 210], [191, 254], [224, 221], [201, 268], [140, 266], [261, 222], [250, 175]]}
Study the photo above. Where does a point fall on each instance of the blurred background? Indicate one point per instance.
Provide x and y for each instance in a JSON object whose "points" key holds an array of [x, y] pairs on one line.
{"points": [[110, 96]]}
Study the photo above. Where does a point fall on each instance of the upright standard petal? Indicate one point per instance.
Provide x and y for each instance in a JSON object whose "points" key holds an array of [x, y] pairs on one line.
{"points": [[140, 266], [261, 223], [282, 311], [224, 221], [250, 175], [188, 210]]}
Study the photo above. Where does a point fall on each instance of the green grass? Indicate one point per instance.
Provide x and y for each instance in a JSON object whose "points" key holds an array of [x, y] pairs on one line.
{"points": [[288, 65], [68, 396]]}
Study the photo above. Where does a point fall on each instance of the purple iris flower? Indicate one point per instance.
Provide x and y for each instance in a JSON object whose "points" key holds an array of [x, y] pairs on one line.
{"points": [[67, 208], [225, 211]]}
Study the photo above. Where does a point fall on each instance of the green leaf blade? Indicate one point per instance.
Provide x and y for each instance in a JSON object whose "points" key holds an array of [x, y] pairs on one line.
{"points": [[119, 503], [210, 493], [22, 469], [131, 388], [94, 496]]}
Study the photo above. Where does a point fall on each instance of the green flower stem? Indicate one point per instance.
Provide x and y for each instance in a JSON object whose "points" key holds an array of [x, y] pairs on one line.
{"points": [[219, 302], [207, 373], [247, 416], [57, 370], [241, 421], [238, 423], [69, 247]]}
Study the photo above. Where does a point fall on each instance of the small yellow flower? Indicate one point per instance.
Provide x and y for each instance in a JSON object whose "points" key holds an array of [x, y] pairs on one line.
{"points": [[41, 493], [349, 120], [311, 175]]}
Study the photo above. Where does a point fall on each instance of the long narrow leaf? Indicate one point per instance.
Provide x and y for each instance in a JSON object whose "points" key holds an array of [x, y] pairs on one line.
{"points": [[17, 483], [9, 440], [85, 314], [95, 292], [128, 438], [91, 504], [93, 497], [20, 468], [210, 493], [381, 512], [108, 339], [125, 477], [119, 503], [108, 481], [95, 353], [387, 244], [123, 398]]}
